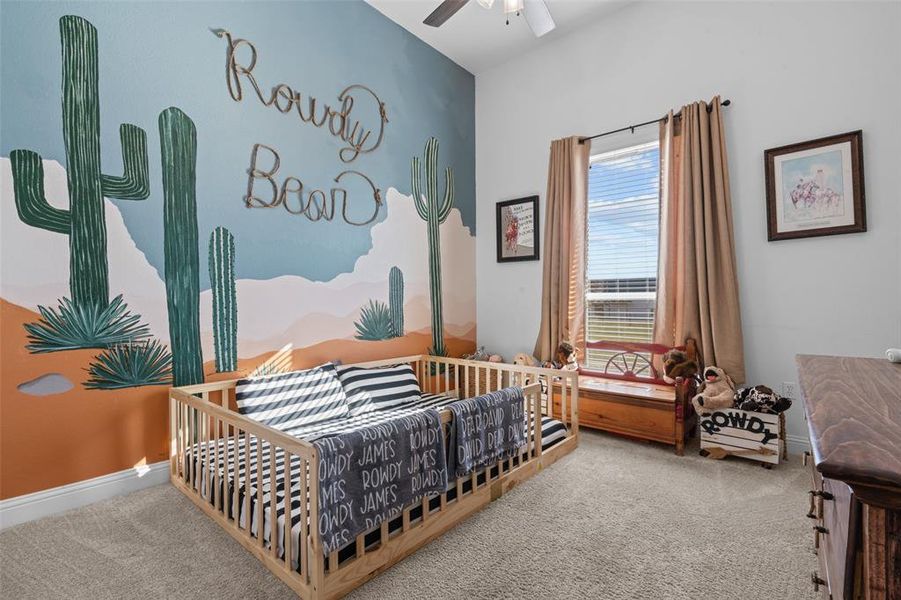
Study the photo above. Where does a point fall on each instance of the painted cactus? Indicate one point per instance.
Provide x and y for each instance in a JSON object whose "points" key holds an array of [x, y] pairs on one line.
{"points": [[178, 145], [84, 221], [225, 308], [396, 300], [434, 212]]}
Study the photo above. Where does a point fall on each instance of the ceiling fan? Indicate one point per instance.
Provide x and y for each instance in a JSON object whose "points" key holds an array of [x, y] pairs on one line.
{"points": [[535, 11]]}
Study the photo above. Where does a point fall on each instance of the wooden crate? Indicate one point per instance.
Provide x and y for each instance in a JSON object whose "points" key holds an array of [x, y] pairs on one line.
{"points": [[753, 435]]}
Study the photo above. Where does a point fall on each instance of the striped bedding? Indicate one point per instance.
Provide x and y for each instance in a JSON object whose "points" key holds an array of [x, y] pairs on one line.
{"points": [[287, 401], [373, 389], [207, 457]]}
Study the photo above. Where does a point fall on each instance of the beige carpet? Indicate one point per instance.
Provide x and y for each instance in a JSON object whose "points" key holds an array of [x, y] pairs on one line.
{"points": [[616, 519]]}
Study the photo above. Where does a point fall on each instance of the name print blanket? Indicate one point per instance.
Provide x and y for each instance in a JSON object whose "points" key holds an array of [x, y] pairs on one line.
{"points": [[369, 475], [488, 429]]}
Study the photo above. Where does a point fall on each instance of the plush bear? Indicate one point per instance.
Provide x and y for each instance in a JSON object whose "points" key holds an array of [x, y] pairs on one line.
{"points": [[762, 399], [676, 363], [716, 391]]}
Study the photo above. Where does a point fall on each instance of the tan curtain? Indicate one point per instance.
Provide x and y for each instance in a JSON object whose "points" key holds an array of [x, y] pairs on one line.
{"points": [[697, 284], [563, 281]]}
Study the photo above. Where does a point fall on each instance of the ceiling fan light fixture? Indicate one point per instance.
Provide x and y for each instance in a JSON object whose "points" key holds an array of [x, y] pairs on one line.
{"points": [[485, 3], [512, 6]]}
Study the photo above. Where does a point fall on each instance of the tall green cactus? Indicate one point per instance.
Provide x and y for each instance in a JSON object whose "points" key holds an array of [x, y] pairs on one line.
{"points": [[396, 300], [84, 221], [434, 212], [225, 308], [178, 145]]}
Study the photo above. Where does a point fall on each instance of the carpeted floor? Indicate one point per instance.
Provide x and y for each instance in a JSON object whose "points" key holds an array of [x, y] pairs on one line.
{"points": [[614, 520]]}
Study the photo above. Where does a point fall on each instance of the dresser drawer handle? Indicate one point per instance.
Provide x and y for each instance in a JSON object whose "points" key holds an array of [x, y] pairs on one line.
{"points": [[811, 513], [818, 530], [816, 581]]}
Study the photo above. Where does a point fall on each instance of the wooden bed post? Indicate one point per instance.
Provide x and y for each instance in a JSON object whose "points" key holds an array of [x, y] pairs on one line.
{"points": [[684, 391], [315, 557]]}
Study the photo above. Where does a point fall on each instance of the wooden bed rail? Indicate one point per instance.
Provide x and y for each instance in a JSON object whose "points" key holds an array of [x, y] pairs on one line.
{"points": [[227, 464], [440, 375]]}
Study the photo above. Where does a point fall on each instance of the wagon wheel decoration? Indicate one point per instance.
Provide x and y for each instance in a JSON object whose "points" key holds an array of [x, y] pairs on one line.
{"points": [[629, 364]]}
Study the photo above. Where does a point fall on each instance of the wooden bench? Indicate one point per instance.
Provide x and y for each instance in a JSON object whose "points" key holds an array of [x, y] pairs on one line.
{"points": [[629, 397]]}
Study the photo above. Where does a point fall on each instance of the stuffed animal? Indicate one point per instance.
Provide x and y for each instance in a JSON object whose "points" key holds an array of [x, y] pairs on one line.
{"points": [[479, 354], [762, 399], [496, 358], [525, 360], [715, 392], [566, 357], [676, 363]]}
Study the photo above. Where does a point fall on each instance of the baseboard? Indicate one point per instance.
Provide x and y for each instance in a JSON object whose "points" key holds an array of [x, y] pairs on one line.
{"points": [[797, 444], [29, 507]]}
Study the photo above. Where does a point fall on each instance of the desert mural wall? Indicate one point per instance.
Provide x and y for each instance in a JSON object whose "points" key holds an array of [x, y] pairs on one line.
{"points": [[192, 192]]}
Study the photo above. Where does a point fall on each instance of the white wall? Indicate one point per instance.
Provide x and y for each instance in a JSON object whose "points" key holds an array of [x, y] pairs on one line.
{"points": [[794, 71]]}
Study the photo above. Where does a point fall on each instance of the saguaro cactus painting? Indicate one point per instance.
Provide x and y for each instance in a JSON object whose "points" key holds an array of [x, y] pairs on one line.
{"points": [[396, 300], [225, 308], [178, 144], [84, 220], [434, 212]]}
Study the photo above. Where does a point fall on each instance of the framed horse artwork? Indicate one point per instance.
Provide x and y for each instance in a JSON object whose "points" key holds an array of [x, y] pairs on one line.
{"points": [[816, 188], [517, 229]]}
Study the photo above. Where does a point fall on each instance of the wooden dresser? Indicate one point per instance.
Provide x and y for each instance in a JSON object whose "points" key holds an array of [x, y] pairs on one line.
{"points": [[853, 410]]}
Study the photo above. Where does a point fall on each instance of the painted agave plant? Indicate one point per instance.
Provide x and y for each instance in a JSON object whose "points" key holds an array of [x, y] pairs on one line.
{"points": [[72, 326], [375, 322], [131, 365]]}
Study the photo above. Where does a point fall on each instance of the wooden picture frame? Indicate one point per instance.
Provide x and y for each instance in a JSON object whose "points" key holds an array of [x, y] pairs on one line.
{"points": [[816, 188], [517, 227]]}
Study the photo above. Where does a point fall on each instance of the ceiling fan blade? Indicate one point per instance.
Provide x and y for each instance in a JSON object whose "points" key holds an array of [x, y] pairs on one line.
{"points": [[445, 11], [538, 17]]}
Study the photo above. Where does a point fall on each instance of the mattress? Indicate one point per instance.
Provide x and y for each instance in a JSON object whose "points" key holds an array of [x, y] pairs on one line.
{"points": [[208, 458]]}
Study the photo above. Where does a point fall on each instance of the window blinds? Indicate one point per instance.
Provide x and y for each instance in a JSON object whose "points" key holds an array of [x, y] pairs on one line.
{"points": [[623, 234]]}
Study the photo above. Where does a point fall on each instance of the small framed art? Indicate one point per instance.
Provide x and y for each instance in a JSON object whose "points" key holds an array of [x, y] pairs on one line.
{"points": [[815, 188], [517, 229]]}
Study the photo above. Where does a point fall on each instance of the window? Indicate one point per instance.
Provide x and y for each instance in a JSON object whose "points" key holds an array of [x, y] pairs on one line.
{"points": [[623, 234]]}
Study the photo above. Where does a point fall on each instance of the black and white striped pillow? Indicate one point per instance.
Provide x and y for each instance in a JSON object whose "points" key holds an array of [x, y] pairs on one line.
{"points": [[370, 389], [294, 399]]}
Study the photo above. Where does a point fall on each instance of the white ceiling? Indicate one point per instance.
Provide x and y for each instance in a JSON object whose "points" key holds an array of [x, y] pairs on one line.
{"points": [[478, 39]]}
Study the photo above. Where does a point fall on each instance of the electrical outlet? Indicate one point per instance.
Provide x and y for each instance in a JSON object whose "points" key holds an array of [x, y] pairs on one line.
{"points": [[789, 389]]}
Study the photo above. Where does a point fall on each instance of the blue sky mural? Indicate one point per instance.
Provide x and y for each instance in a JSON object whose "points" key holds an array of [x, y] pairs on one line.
{"points": [[155, 55]]}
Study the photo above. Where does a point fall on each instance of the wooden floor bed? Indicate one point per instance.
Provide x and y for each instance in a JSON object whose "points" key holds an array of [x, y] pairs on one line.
{"points": [[206, 429]]}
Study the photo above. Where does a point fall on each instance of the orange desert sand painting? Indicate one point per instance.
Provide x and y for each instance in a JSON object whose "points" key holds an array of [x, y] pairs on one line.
{"points": [[48, 441]]}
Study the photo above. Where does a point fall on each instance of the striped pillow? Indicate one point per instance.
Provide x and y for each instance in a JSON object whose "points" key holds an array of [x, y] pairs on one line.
{"points": [[378, 388], [289, 400]]}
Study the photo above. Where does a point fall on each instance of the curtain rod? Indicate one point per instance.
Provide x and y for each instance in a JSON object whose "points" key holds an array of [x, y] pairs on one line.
{"points": [[632, 128]]}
